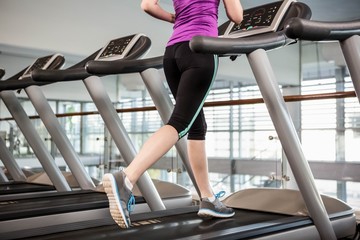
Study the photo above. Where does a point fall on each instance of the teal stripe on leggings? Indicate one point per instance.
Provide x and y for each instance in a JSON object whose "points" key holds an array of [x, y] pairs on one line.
{"points": [[185, 131]]}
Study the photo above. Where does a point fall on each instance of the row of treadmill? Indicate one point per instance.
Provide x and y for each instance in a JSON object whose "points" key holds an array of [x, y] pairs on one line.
{"points": [[75, 206]]}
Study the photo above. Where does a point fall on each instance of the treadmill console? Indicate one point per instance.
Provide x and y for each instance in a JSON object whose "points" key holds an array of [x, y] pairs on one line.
{"points": [[257, 20], [118, 48], [40, 63]]}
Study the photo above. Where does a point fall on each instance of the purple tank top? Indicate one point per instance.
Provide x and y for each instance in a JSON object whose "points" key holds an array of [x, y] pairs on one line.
{"points": [[194, 17]]}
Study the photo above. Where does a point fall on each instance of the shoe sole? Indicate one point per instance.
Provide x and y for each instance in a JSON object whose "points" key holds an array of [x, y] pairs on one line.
{"points": [[205, 213], [116, 211]]}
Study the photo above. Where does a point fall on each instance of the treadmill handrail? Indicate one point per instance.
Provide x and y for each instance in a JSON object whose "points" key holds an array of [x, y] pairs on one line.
{"points": [[311, 30], [123, 66], [95, 67], [60, 75], [89, 67], [231, 46], [14, 82], [73, 73]]}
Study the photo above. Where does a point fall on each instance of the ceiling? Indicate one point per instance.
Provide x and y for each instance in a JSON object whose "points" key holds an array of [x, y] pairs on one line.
{"points": [[29, 29]]}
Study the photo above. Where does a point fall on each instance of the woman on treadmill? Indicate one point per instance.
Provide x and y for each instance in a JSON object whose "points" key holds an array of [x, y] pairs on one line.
{"points": [[190, 76]]}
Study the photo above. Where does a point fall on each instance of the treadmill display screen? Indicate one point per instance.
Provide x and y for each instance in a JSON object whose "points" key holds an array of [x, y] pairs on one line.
{"points": [[265, 18], [118, 48], [40, 63]]}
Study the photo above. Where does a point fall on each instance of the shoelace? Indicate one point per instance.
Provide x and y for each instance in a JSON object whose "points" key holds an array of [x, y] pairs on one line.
{"points": [[131, 203], [219, 194]]}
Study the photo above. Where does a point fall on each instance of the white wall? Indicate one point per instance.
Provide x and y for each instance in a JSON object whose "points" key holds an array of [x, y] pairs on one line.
{"points": [[76, 27]]}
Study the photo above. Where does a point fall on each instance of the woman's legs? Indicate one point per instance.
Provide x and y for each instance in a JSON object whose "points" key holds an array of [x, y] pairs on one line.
{"points": [[190, 76]]}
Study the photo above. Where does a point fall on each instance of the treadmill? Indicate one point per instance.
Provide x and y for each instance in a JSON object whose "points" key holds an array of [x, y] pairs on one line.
{"points": [[260, 213], [3, 177], [20, 185], [331, 217], [128, 47], [21, 212], [247, 224], [346, 33], [65, 211], [127, 54], [53, 126]]}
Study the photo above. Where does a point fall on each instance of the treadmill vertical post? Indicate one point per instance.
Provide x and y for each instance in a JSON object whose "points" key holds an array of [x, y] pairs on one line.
{"points": [[10, 163], [123, 142], [165, 106], [59, 136], [284, 126], [34, 140], [3, 177], [351, 51]]}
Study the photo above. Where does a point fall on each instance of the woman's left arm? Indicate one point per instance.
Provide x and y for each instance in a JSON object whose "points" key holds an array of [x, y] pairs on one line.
{"points": [[153, 8]]}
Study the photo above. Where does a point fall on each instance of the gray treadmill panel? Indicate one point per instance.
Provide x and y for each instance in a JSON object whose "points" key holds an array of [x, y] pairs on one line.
{"points": [[40, 63], [118, 48], [257, 20]]}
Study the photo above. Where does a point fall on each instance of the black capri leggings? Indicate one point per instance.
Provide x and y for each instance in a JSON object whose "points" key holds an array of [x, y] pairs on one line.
{"points": [[190, 76]]}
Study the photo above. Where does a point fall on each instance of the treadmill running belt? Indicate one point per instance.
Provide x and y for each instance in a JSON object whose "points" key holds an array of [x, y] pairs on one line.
{"points": [[22, 187], [56, 203], [189, 226]]}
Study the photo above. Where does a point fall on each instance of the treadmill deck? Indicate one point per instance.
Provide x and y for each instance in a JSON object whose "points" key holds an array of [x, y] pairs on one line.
{"points": [[185, 224]]}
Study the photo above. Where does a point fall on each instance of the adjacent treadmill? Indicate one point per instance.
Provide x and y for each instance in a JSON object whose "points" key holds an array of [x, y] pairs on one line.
{"points": [[20, 184], [332, 218], [158, 92], [260, 213], [3, 177], [26, 213], [65, 211], [347, 33], [128, 47], [52, 124]]}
